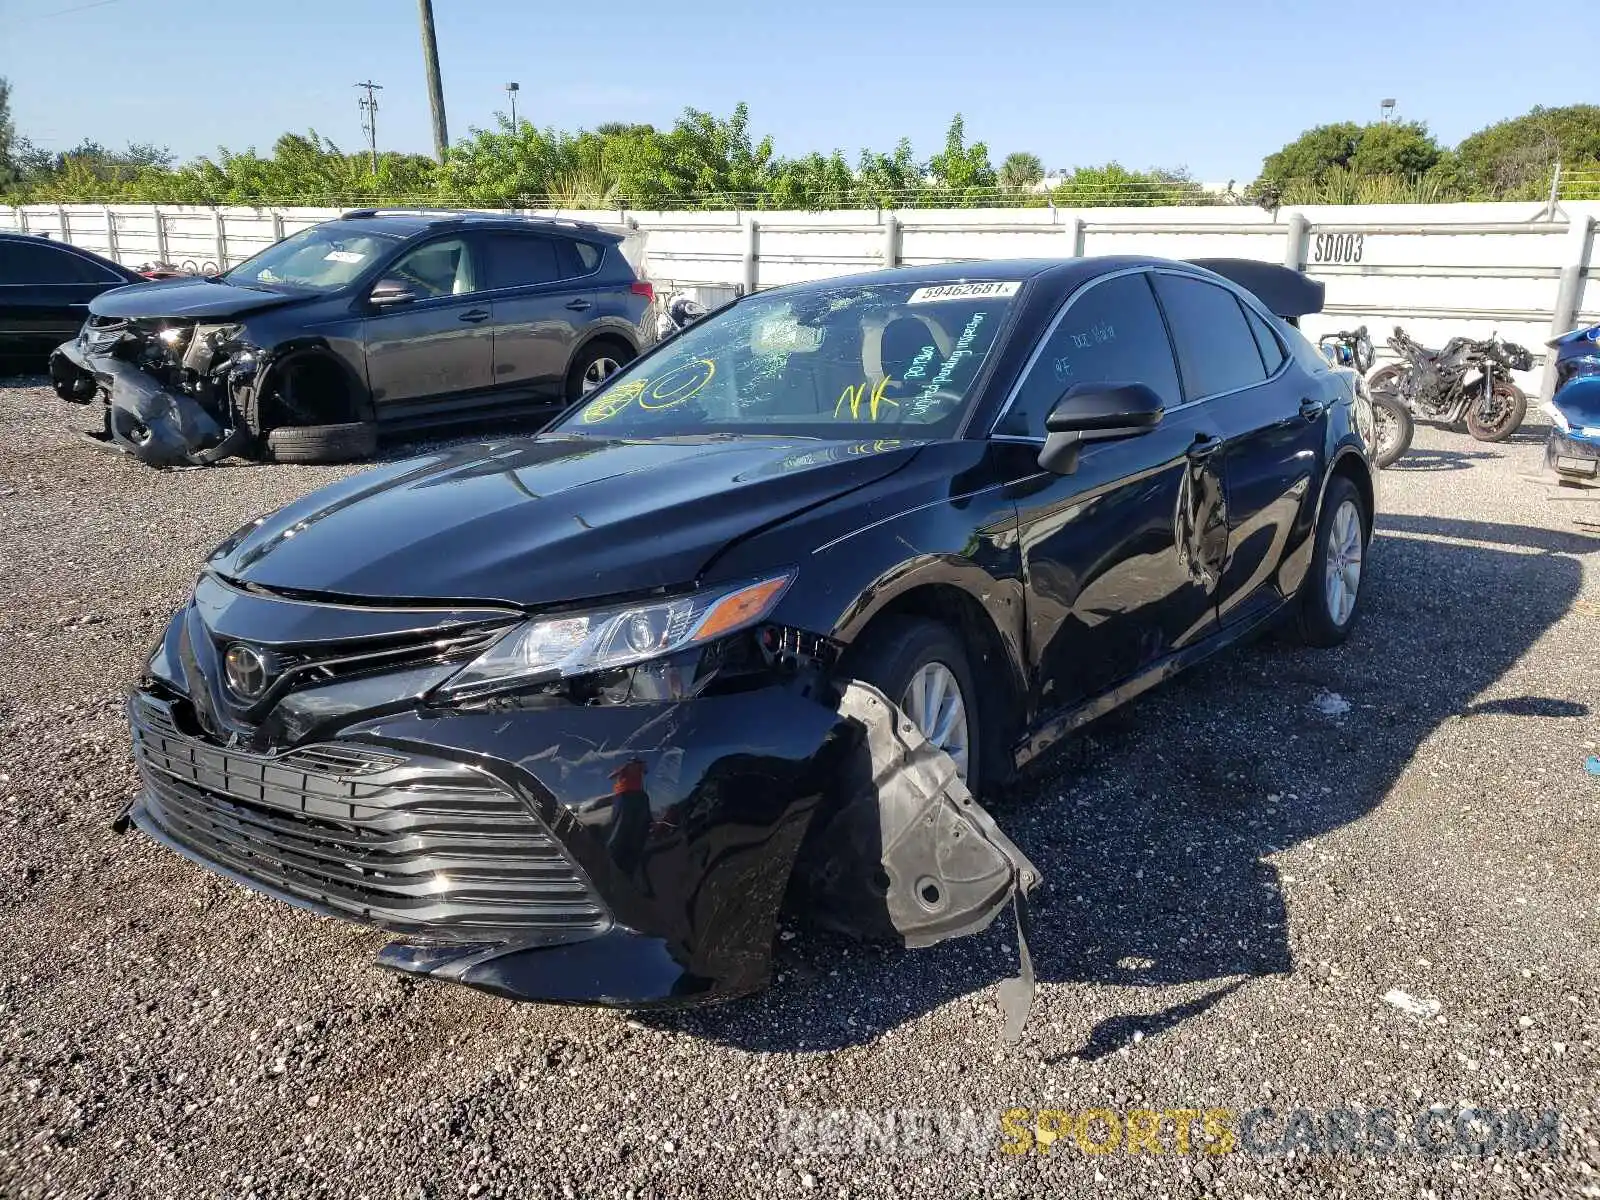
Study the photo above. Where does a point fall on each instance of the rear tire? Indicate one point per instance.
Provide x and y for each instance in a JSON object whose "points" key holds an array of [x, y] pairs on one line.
{"points": [[1395, 429], [1510, 407], [897, 652], [1330, 601], [596, 363], [321, 443]]}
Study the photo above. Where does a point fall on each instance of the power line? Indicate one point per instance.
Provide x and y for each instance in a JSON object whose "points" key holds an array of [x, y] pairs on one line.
{"points": [[369, 118]]}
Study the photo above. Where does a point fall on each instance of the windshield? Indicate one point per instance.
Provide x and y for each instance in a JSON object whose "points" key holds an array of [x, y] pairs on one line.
{"points": [[323, 258], [899, 357]]}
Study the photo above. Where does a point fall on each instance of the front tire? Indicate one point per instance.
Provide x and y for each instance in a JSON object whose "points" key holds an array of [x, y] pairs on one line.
{"points": [[1386, 378], [921, 666], [1503, 416], [1330, 597], [321, 443]]}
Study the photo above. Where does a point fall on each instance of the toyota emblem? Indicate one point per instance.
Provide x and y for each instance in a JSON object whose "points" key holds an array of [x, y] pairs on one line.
{"points": [[248, 671]]}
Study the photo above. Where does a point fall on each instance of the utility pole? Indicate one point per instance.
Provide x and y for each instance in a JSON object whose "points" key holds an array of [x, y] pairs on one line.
{"points": [[369, 118], [430, 59]]}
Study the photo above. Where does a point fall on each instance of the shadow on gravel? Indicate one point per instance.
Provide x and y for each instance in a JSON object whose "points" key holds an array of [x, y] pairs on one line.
{"points": [[1438, 460], [1154, 827]]}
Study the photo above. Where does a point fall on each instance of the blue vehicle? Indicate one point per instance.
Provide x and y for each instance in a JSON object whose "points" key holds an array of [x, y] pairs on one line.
{"points": [[1572, 452]]}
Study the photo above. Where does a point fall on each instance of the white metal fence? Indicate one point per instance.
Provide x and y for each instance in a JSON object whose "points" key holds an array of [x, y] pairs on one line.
{"points": [[1439, 270]]}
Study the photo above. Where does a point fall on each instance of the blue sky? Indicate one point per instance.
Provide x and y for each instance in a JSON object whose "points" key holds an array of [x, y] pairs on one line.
{"points": [[1154, 82]]}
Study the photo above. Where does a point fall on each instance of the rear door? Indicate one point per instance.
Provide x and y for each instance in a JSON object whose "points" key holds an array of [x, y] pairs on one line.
{"points": [[1121, 558], [541, 303], [1272, 425], [45, 291], [434, 353]]}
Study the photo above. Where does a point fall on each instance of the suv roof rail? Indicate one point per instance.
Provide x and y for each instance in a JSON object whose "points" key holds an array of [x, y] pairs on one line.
{"points": [[451, 214], [358, 213]]}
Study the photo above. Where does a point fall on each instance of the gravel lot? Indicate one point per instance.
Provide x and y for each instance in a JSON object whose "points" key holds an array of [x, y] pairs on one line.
{"points": [[1238, 869]]}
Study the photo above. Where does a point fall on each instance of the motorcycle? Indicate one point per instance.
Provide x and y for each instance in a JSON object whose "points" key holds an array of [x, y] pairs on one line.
{"points": [[1468, 380], [679, 312], [1393, 425]]}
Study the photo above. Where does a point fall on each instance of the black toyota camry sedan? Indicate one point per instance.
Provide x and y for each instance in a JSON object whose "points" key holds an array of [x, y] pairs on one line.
{"points": [[574, 715]]}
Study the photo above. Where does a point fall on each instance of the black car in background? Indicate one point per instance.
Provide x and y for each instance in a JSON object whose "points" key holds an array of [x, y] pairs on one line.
{"points": [[45, 289], [574, 713], [378, 320]]}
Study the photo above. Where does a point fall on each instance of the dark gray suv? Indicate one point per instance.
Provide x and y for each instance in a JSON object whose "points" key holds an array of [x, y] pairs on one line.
{"points": [[379, 320]]}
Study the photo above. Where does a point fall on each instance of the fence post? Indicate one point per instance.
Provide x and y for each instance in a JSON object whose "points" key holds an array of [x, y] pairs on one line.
{"points": [[277, 226], [1580, 237], [161, 234], [752, 255], [66, 222], [222, 239], [1074, 228], [111, 236], [1294, 250], [22, 219], [891, 241]]}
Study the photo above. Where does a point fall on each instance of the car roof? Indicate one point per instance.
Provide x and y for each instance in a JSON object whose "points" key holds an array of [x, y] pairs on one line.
{"points": [[411, 222], [1068, 272], [17, 235]]}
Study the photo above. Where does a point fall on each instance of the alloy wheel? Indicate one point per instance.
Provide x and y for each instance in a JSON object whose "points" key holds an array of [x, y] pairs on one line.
{"points": [[934, 702], [600, 370], [1342, 576]]}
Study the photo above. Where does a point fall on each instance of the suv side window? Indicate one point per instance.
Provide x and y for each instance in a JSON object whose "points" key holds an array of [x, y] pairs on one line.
{"points": [[518, 259], [442, 268], [1112, 333], [1216, 350], [1272, 354]]}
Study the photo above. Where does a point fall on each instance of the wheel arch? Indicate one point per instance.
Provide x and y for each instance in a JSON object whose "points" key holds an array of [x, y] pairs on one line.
{"points": [[995, 668], [303, 352]]}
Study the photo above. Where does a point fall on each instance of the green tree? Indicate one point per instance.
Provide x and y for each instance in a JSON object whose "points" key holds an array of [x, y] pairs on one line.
{"points": [[885, 180], [1515, 157], [8, 136], [1113, 185], [1402, 148], [1021, 170], [959, 170]]}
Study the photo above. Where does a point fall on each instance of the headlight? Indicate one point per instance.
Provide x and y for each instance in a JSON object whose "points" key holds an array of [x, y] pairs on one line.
{"points": [[1559, 418], [570, 644]]}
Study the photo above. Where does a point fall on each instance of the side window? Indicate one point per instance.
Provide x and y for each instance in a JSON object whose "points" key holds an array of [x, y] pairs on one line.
{"points": [[443, 268], [1272, 355], [1216, 350], [588, 256], [42, 263], [518, 259], [1112, 333]]}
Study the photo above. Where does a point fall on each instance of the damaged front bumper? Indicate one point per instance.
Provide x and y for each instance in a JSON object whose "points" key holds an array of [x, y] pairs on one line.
{"points": [[629, 855], [161, 426]]}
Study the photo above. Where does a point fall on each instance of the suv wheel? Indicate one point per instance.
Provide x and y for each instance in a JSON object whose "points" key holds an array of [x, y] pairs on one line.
{"points": [[921, 666], [594, 365]]}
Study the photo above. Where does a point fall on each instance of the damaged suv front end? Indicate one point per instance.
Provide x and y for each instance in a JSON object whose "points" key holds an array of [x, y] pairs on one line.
{"points": [[174, 389]]}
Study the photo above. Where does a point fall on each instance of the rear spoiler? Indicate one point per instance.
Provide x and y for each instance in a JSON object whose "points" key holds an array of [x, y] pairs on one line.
{"points": [[1290, 294]]}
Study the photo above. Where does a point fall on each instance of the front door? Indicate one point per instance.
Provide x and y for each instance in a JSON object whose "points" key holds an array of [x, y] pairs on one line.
{"points": [[1120, 559], [1272, 425], [438, 344]]}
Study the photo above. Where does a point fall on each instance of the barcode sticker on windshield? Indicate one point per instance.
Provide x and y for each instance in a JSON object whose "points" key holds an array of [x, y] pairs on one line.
{"points": [[963, 291], [344, 256]]}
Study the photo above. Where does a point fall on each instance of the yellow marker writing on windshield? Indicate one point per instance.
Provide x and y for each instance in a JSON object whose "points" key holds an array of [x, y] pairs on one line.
{"points": [[613, 401], [853, 396]]}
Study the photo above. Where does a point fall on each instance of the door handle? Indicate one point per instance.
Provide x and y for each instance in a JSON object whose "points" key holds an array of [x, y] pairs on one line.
{"points": [[474, 315], [579, 305], [1312, 409], [1203, 447]]}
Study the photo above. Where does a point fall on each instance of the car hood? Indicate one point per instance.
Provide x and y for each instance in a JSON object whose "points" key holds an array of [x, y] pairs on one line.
{"points": [[187, 297], [545, 520]]}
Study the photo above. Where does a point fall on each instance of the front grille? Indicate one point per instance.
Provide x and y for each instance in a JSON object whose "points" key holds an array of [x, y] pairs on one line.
{"points": [[415, 845]]}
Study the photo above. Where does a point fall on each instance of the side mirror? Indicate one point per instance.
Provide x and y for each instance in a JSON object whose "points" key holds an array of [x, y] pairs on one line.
{"points": [[387, 293], [1096, 412]]}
